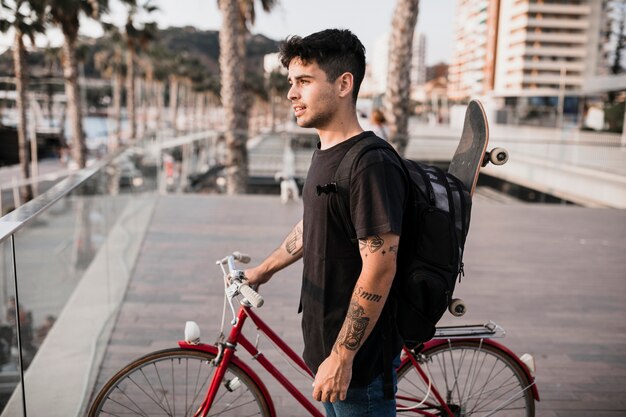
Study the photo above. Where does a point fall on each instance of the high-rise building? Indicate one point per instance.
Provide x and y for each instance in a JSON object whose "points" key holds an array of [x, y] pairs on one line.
{"points": [[471, 71], [514, 48], [548, 46]]}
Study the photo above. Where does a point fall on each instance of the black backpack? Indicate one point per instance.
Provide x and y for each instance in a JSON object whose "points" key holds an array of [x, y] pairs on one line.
{"points": [[435, 225]]}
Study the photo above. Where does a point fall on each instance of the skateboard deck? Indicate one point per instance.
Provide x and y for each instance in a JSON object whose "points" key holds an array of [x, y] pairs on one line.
{"points": [[471, 154]]}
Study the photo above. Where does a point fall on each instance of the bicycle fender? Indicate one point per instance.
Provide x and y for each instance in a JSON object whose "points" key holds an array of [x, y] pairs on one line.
{"points": [[507, 351], [203, 347]]}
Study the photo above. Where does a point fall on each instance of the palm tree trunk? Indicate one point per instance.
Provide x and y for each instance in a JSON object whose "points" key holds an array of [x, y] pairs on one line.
{"points": [[19, 62], [130, 92], [174, 102], [160, 99], [232, 68], [399, 80], [74, 106], [117, 109]]}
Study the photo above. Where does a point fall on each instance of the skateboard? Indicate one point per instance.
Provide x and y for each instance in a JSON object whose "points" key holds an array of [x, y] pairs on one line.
{"points": [[472, 154]]}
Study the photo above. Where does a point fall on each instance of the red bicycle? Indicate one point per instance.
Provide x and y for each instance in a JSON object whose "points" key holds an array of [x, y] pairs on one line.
{"points": [[462, 371]]}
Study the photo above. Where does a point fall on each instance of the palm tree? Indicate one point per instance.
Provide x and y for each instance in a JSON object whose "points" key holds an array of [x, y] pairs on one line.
{"points": [[399, 80], [26, 19], [236, 15], [65, 14], [137, 39], [109, 62]]}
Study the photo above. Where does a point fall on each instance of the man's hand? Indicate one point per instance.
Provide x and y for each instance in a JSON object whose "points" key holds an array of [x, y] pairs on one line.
{"points": [[332, 379], [257, 275]]}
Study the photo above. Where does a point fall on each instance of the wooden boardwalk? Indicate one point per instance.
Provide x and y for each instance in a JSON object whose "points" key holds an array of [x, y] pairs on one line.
{"points": [[553, 276]]}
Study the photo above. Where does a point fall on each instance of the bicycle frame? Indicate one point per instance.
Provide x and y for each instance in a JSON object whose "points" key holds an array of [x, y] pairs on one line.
{"points": [[225, 354]]}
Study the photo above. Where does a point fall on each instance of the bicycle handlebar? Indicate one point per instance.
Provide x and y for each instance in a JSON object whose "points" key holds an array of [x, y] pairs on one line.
{"points": [[251, 296], [238, 281]]}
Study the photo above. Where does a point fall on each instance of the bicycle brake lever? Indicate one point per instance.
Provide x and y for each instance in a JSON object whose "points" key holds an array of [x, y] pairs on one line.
{"points": [[235, 278]]}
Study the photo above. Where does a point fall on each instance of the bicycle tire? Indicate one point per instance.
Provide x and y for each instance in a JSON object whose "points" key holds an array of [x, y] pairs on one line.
{"points": [[173, 383], [474, 378]]}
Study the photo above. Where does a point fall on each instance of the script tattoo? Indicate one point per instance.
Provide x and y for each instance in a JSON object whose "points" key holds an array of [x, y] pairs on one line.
{"points": [[367, 295], [354, 327], [373, 244], [292, 242]]}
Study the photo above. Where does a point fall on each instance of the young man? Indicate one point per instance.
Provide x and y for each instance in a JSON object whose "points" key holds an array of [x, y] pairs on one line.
{"points": [[348, 334]]}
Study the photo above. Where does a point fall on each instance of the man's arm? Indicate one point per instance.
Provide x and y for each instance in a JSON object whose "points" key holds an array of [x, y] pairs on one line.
{"points": [[379, 255], [286, 254]]}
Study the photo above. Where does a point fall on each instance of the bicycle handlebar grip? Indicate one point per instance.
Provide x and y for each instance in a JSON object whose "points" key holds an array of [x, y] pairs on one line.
{"points": [[241, 257], [252, 296]]}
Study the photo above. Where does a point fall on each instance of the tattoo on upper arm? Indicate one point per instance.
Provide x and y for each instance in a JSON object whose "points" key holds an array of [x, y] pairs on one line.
{"points": [[373, 244], [353, 329], [293, 243]]}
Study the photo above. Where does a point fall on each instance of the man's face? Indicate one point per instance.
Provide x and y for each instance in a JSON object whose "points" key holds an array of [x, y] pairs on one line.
{"points": [[313, 97]]}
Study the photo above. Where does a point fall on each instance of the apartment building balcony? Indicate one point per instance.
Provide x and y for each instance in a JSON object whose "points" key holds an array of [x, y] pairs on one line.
{"points": [[564, 9], [553, 79], [569, 38], [520, 90], [525, 22], [545, 65], [556, 51], [558, 23]]}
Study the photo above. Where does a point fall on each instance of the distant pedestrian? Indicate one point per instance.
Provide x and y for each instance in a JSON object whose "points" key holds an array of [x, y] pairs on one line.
{"points": [[379, 124]]}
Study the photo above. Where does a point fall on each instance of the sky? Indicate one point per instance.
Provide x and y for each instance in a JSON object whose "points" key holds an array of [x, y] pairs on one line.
{"points": [[368, 19]]}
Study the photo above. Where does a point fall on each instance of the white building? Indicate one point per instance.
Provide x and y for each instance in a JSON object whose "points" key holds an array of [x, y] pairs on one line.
{"points": [[517, 48], [472, 63], [549, 47]]}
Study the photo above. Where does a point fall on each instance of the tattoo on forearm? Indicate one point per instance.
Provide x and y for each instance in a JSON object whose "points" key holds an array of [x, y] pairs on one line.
{"points": [[293, 244], [367, 295], [353, 328], [373, 244]]}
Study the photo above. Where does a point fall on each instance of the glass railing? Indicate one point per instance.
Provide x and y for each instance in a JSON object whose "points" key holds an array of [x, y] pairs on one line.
{"points": [[65, 261]]}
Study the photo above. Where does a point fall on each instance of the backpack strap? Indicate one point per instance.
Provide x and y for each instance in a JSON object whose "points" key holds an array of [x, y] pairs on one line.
{"points": [[460, 190], [429, 187], [343, 175], [443, 180]]}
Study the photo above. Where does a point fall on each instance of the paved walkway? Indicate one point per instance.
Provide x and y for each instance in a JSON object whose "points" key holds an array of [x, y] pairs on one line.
{"points": [[552, 276]]}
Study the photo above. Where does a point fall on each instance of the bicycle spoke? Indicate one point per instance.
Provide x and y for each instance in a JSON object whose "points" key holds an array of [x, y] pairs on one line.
{"points": [[139, 390], [158, 403], [128, 408], [474, 379], [199, 390], [169, 409], [234, 408], [491, 401]]}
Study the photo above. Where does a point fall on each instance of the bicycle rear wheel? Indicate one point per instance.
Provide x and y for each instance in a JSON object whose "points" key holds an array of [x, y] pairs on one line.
{"points": [[474, 379], [173, 383]]}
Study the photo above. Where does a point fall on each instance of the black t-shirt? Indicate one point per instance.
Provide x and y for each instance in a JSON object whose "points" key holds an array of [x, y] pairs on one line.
{"points": [[332, 262]]}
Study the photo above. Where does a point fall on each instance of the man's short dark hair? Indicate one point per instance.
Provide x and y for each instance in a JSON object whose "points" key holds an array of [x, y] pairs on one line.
{"points": [[336, 51]]}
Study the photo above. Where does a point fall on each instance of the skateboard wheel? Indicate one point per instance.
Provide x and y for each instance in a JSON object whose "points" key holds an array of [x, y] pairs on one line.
{"points": [[457, 307], [498, 156]]}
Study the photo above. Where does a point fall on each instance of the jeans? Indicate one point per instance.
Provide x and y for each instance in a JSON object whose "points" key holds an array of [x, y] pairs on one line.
{"points": [[368, 401]]}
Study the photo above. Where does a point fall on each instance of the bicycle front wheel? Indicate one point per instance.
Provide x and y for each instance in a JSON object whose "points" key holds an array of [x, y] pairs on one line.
{"points": [[173, 383], [473, 378]]}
